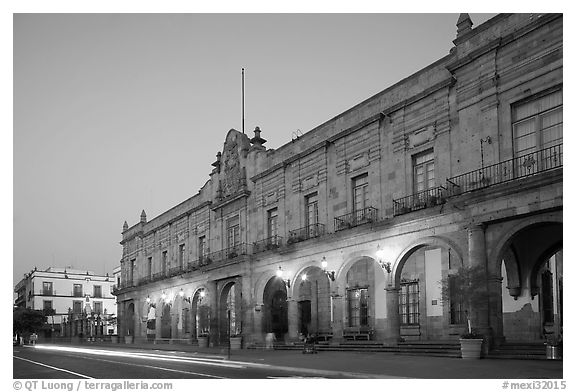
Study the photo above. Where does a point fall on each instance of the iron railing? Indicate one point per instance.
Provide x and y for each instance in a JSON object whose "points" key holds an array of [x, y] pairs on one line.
{"points": [[511, 169], [269, 243], [226, 254], [417, 201], [356, 218], [305, 233]]}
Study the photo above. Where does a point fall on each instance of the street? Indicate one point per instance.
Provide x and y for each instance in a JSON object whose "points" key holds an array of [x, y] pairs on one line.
{"points": [[59, 362]]}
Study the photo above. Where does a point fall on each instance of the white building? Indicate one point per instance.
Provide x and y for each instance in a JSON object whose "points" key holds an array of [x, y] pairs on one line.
{"points": [[80, 299]]}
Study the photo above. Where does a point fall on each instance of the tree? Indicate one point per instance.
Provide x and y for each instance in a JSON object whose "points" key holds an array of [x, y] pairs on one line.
{"points": [[26, 321], [468, 287]]}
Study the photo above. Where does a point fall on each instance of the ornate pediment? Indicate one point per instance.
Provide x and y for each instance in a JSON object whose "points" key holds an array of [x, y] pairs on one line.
{"points": [[232, 165]]}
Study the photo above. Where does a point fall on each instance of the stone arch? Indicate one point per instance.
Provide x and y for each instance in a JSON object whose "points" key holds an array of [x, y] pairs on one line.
{"points": [[166, 320], [200, 313], [230, 291], [312, 300], [262, 281], [412, 247], [130, 319], [497, 254], [275, 307], [533, 279]]}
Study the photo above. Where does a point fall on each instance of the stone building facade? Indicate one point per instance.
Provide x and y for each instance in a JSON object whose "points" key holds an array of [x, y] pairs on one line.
{"points": [[346, 231]]}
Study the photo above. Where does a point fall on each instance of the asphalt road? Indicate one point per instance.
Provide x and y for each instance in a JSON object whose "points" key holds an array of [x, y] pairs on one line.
{"points": [[60, 362]]}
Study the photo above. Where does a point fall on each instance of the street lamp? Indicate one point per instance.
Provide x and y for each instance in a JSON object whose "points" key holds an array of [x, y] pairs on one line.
{"points": [[330, 274], [280, 274]]}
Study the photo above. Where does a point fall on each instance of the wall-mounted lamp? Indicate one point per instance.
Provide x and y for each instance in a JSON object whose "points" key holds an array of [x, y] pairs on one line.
{"points": [[380, 254], [280, 274], [187, 299], [148, 299], [201, 295], [304, 276], [330, 274], [163, 296]]}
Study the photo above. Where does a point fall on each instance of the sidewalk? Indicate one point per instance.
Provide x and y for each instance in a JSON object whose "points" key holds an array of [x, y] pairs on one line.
{"points": [[368, 364]]}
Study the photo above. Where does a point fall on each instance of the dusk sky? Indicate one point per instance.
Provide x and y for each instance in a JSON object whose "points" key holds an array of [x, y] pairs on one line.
{"points": [[115, 113]]}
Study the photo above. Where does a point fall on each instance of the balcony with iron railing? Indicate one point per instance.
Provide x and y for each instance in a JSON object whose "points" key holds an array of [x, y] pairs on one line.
{"points": [[356, 218], [519, 167], [223, 255], [306, 233], [269, 243], [418, 201]]}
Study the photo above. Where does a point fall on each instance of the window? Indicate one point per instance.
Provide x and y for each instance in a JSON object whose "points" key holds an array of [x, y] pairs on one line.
{"points": [[358, 307], [201, 247], [164, 262], [77, 290], [97, 291], [424, 177], [233, 232], [537, 124], [181, 252], [97, 307], [273, 224], [360, 198], [47, 288], [131, 272], [312, 215], [149, 267], [47, 305], [409, 303], [77, 307]]}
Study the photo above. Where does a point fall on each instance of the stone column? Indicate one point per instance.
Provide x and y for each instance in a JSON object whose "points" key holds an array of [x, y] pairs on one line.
{"points": [[479, 312], [214, 315], [247, 310], [337, 317], [159, 311], [392, 334], [292, 320]]}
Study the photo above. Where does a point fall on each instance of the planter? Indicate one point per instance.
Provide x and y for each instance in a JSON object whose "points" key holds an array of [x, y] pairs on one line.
{"points": [[236, 343], [114, 338], [471, 348], [129, 339], [203, 341], [552, 352]]}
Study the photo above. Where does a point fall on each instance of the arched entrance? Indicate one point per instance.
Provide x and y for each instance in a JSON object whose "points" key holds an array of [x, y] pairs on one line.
{"points": [[275, 308], [423, 313], [312, 294], [200, 314], [359, 308], [130, 322], [166, 322], [230, 311], [532, 283]]}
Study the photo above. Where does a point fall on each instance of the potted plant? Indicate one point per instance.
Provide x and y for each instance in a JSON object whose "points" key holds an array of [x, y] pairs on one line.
{"points": [[468, 288], [553, 347], [236, 340], [129, 339], [203, 339]]}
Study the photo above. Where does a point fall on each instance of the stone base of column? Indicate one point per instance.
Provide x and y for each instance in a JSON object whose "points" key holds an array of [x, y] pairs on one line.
{"points": [[486, 332]]}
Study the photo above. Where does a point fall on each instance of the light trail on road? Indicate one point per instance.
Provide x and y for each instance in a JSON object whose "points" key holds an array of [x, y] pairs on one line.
{"points": [[53, 367], [173, 358]]}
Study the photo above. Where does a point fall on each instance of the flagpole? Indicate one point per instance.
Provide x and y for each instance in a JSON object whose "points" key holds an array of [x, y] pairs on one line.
{"points": [[242, 100]]}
